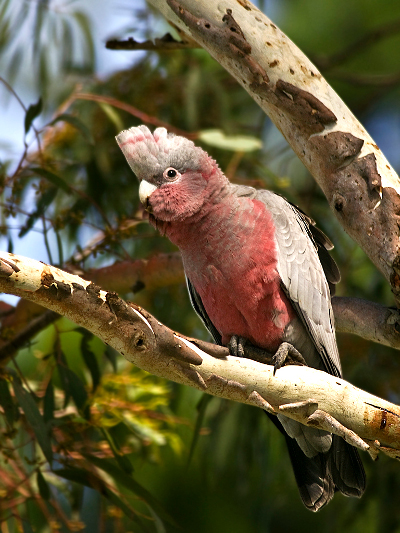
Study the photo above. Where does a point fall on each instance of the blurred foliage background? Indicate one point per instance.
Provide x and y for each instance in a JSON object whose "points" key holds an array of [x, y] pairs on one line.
{"points": [[88, 442]]}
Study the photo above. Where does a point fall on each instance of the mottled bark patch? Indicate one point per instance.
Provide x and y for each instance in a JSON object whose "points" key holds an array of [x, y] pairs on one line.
{"points": [[47, 278], [338, 149], [229, 38], [304, 107]]}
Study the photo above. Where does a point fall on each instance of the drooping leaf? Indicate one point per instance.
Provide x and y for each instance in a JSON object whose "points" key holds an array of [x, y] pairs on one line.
{"points": [[89, 357], [128, 511], [74, 387], [111, 355], [45, 200], [113, 115], [43, 486], [237, 143], [91, 480], [81, 476], [123, 461], [32, 112], [76, 123], [83, 22], [131, 484], [201, 411], [35, 419], [48, 403], [60, 248], [7, 403], [52, 178], [27, 528]]}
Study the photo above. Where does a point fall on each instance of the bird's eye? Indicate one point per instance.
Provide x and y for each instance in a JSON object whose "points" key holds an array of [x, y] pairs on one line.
{"points": [[171, 174]]}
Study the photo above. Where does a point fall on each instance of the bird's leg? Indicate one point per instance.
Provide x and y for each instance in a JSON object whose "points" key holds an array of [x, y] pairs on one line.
{"points": [[287, 353], [236, 346]]}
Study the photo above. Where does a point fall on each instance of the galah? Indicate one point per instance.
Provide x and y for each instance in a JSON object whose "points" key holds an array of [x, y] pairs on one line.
{"points": [[258, 271]]}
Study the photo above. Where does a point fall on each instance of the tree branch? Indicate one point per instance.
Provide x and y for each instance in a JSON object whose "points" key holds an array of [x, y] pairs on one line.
{"points": [[371, 321], [312, 397], [359, 183]]}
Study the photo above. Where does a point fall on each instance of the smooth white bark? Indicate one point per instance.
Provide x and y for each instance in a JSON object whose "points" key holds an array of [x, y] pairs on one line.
{"points": [[305, 394]]}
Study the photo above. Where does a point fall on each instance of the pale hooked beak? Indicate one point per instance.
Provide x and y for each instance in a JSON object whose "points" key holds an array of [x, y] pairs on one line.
{"points": [[145, 191]]}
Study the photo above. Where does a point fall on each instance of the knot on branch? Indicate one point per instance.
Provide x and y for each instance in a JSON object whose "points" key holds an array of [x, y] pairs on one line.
{"points": [[7, 268]]}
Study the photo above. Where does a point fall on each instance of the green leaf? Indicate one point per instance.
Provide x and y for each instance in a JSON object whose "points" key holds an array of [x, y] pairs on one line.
{"points": [[52, 178], [87, 34], [32, 112], [201, 411], [113, 115], [76, 123], [74, 387], [112, 356], [91, 480], [44, 201], [122, 460], [237, 143], [7, 403], [44, 489], [27, 528], [81, 476], [35, 419], [48, 403], [128, 511], [131, 484], [89, 357]]}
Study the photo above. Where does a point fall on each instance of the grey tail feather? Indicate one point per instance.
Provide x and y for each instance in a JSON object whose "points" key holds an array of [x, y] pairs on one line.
{"points": [[346, 467], [319, 477]]}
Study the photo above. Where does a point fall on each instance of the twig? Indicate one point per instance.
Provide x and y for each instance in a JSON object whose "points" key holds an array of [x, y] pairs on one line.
{"points": [[25, 335], [144, 117]]}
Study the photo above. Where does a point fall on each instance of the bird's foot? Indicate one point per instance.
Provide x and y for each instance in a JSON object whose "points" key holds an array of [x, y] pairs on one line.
{"points": [[236, 346], [287, 354]]}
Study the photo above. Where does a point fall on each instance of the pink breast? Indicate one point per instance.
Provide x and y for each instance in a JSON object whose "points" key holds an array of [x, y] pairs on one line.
{"points": [[236, 277]]}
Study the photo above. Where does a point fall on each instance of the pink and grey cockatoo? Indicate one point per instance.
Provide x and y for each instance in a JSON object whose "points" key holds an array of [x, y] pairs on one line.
{"points": [[258, 271]]}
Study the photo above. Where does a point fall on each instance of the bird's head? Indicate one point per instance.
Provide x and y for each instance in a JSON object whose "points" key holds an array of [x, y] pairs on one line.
{"points": [[176, 177]]}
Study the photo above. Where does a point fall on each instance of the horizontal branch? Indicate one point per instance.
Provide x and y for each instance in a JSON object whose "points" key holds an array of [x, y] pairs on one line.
{"points": [[310, 396], [157, 271], [369, 320], [359, 183]]}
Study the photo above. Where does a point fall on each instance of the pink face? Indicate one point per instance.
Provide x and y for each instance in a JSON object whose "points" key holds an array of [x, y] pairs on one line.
{"points": [[177, 197]]}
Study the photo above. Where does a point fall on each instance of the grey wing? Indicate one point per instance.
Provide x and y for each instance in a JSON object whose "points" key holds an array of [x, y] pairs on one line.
{"points": [[199, 308], [301, 267]]}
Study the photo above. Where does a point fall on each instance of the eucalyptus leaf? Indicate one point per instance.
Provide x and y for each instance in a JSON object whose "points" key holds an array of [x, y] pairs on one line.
{"points": [[91, 480], [32, 112], [236, 143], [43, 486], [74, 387], [76, 123], [53, 178], [131, 484], [7, 403], [35, 419], [90, 358]]}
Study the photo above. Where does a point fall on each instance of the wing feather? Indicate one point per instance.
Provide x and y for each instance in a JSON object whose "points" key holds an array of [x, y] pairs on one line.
{"points": [[304, 266]]}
